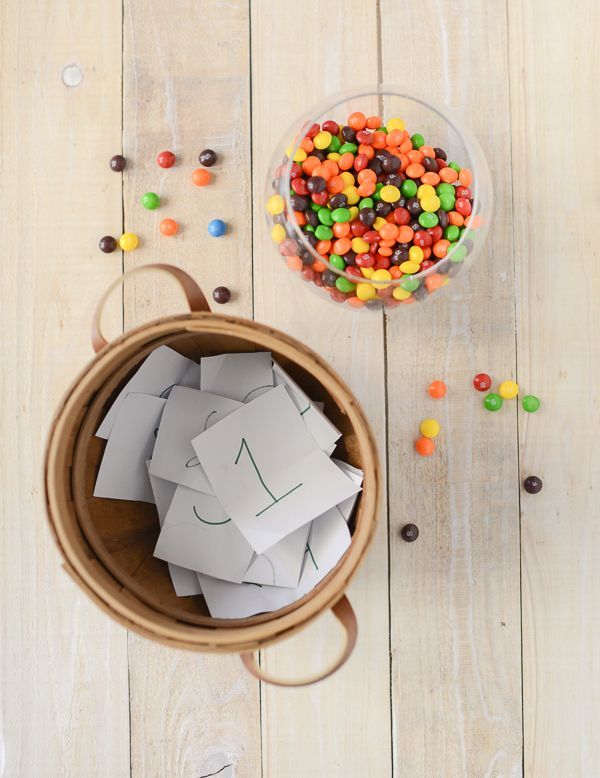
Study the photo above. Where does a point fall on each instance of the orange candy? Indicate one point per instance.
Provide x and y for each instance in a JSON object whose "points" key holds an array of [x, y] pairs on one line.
{"points": [[415, 156], [357, 120], [341, 229], [430, 178], [332, 165], [448, 175], [367, 150], [389, 232], [367, 175], [307, 145], [379, 140], [406, 145], [366, 189], [346, 161], [309, 164], [427, 151], [403, 162], [323, 246], [318, 267], [424, 446], [342, 246], [335, 185], [373, 122], [455, 218], [300, 218], [385, 251], [294, 262], [322, 171], [395, 272], [201, 176], [416, 170], [354, 301], [465, 176], [434, 281], [395, 138], [405, 234], [168, 227], [437, 389], [440, 249]]}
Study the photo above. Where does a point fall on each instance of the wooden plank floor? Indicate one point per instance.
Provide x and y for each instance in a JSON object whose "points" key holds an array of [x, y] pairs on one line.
{"points": [[478, 647]]}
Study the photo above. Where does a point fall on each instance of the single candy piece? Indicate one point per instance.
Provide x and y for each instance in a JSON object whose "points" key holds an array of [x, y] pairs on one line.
{"points": [[345, 286], [151, 201], [165, 159], [207, 157], [492, 402], [128, 241], [168, 227], [216, 228], [221, 295], [424, 446], [531, 403], [437, 389], [508, 390], [409, 532], [533, 484], [107, 244], [202, 177], [482, 382], [429, 428], [275, 204], [117, 163]]}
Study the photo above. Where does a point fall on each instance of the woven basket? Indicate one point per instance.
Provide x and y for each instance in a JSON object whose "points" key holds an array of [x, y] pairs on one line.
{"points": [[107, 545]]}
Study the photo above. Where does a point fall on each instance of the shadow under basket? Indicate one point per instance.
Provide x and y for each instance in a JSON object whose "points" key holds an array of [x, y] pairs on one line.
{"points": [[108, 545]]}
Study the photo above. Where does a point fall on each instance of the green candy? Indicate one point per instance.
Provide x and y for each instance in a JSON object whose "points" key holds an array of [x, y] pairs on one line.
{"points": [[454, 166], [341, 215], [150, 201], [352, 147], [308, 228], [323, 232], [492, 402], [445, 188], [428, 220], [366, 202], [344, 285], [325, 216], [451, 233], [417, 140], [447, 201], [409, 284], [408, 188], [335, 144], [337, 261], [378, 188], [316, 208], [455, 252], [382, 129], [531, 403]]}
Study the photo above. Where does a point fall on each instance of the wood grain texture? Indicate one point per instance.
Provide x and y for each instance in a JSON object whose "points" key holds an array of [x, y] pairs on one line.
{"points": [[187, 87], [553, 76], [308, 732], [63, 664], [455, 592]]}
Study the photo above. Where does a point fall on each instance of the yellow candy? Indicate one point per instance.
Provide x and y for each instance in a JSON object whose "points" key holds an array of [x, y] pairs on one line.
{"points": [[278, 233], [389, 194], [128, 241], [275, 204], [379, 276], [401, 294], [425, 190], [300, 155], [395, 124], [347, 178], [365, 291], [429, 428], [352, 194], [367, 271], [353, 212], [334, 156], [415, 254], [378, 223], [410, 267], [431, 203], [360, 246], [322, 140], [508, 390]]}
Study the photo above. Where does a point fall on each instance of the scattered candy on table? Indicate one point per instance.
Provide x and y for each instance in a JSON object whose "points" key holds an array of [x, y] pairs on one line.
{"points": [[424, 446], [165, 159], [493, 402], [128, 241], [151, 201], [370, 198], [429, 428], [221, 295], [508, 390], [530, 403], [208, 157], [117, 163], [216, 228], [532, 484], [168, 227], [107, 244], [437, 389], [201, 177], [482, 382], [409, 533]]}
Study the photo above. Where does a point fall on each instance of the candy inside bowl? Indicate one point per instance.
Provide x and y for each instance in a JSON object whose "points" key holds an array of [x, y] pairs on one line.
{"points": [[366, 204]]}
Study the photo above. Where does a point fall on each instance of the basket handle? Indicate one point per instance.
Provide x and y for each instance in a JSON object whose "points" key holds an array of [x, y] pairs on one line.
{"points": [[194, 296], [343, 611]]}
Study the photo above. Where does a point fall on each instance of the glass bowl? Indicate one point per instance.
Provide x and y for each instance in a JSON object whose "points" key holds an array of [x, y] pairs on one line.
{"points": [[350, 261]]}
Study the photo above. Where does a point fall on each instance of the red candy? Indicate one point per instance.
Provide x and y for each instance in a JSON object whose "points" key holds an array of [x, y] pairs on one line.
{"points": [[462, 206], [482, 382], [165, 159]]}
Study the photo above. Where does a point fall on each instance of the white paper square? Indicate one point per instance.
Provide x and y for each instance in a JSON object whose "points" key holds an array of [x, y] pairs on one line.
{"points": [[185, 582], [161, 370], [266, 470], [327, 542], [188, 412], [197, 534], [227, 600], [240, 377], [355, 474], [281, 564], [123, 474]]}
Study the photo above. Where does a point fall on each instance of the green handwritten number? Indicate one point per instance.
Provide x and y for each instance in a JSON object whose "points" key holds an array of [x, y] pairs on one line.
{"points": [[204, 521], [309, 551], [243, 446]]}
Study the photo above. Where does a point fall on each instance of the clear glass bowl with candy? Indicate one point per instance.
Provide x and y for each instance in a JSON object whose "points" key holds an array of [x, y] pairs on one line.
{"points": [[378, 199]]}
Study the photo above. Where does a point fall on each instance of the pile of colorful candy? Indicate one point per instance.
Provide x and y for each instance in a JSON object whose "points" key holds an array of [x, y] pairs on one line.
{"points": [[375, 204], [507, 390]]}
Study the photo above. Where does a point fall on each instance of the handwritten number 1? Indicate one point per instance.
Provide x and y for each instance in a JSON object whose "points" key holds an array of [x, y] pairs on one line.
{"points": [[243, 446]]}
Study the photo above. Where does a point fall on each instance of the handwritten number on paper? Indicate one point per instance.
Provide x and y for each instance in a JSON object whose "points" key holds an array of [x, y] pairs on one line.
{"points": [[309, 551], [243, 446], [194, 461], [205, 521]]}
